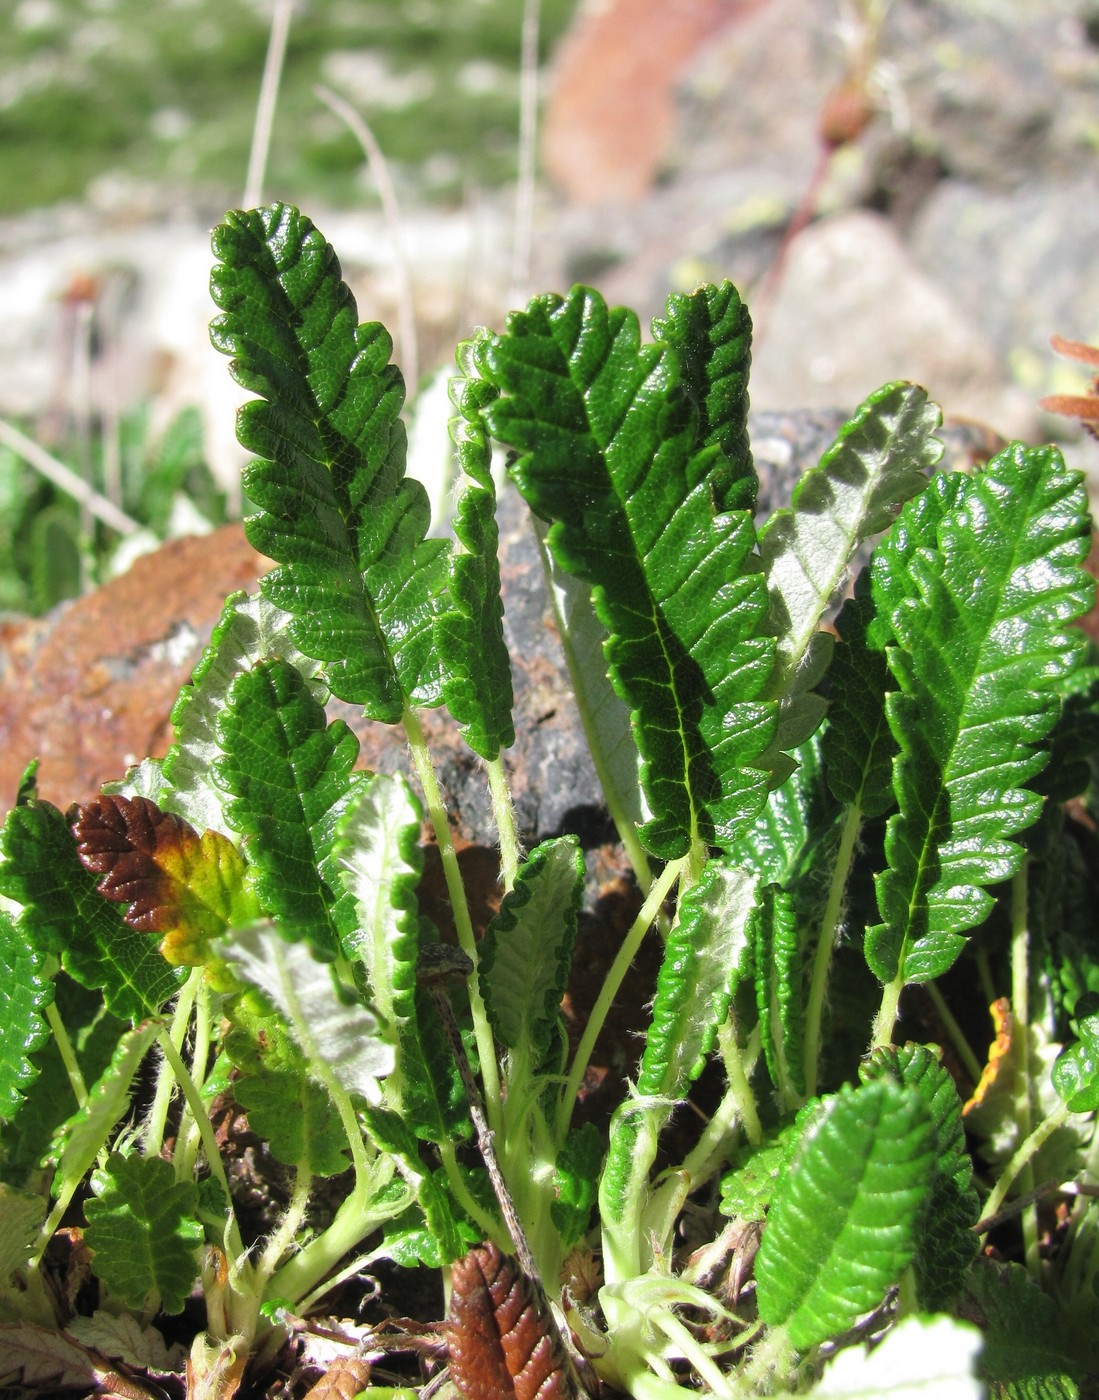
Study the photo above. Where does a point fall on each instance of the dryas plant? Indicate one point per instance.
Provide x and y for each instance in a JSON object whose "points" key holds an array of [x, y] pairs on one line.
{"points": [[815, 826]]}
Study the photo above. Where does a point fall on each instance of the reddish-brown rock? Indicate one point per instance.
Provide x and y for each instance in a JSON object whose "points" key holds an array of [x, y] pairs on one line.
{"points": [[88, 688], [610, 114]]}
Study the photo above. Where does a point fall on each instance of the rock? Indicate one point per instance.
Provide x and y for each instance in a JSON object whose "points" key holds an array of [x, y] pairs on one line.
{"points": [[88, 688]]}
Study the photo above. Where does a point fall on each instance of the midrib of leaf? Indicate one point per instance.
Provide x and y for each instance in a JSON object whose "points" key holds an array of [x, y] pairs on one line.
{"points": [[978, 655]]}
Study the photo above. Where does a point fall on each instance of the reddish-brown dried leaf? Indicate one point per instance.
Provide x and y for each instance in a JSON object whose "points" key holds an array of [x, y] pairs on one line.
{"points": [[189, 888], [502, 1343]]}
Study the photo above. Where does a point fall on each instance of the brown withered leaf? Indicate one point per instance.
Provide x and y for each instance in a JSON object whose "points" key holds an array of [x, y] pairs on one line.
{"points": [[342, 1381], [502, 1342], [176, 883], [42, 1359]]}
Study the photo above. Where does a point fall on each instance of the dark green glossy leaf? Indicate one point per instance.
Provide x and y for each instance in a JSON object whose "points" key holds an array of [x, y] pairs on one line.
{"points": [[780, 994], [287, 776], [470, 634], [64, 914], [947, 1244], [25, 992], [843, 1224], [979, 582], [334, 507], [613, 452], [1076, 1069]]}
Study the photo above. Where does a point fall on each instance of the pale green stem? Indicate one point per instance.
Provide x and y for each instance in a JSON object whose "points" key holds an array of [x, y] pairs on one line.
{"points": [[189, 1136], [463, 925], [886, 1019], [712, 1149], [1021, 1161], [1020, 1006], [68, 1054], [283, 1239], [488, 1224], [234, 1245], [957, 1036], [153, 1137], [738, 1081], [609, 990], [826, 942], [503, 811], [693, 1351]]}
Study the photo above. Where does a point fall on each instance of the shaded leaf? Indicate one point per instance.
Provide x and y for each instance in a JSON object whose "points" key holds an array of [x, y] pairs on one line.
{"points": [[780, 993], [25, 992], [980, 621], [287, 777], [842, 1227], [143, 1231], [124, 1339], [1023, 1354], [186, 887], [527, 948], [435, 1231], [469, 636], [576, 1183], [500, 1336], [21, 1217], [946, 1242], [335, 510], [40, 1358], [64, 914], [1076, 1069], [615, 455]]}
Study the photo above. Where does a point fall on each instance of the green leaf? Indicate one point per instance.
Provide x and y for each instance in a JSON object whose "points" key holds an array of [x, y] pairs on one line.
{"points": [[706, 954], [21, 1217], [576, 1183], [25, 992], [331, 1032], [65, 914], [858, 745], [787, 841], [780, 994], [843, 1224], [469, 636], [980, 619], [947, 1244], [378, 847], [1023, 1354], [287, 776], [334, 507], [1076, 1069], [143, 1232], [613, 452], [747, 1190], [81, 1138], [527, 949], [880, 460], [446, 1237], [285, 1104], [249, 629]]}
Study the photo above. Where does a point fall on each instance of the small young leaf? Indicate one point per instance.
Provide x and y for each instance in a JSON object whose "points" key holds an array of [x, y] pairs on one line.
{"points": [[527, 948], [780, 994], [613, 453], [947, 1244], [880, 459], [285, 1104], [470, 634], [378, 847], [25, 992], [446, 1236], [65, 914], [287, 776], [843, 1224], [982, 644], [334, 507], [249, 629], [747, 1190], [186, 887], [1076, 1069], [143, 1231], [330, 1031], [501, 1339]]}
